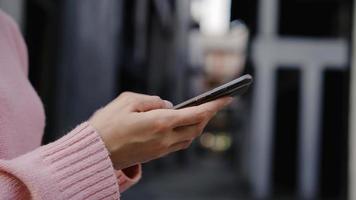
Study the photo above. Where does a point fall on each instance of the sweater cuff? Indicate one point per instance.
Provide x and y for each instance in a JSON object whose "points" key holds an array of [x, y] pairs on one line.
{"points": [[81, 165], [12, 188], [128, 177]]}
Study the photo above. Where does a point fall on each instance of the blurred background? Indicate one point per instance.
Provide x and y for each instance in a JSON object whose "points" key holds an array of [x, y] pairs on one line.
{"points": [[287, 138]]}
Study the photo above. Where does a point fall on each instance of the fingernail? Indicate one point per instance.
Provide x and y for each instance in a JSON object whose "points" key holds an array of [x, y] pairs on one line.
{"points": [[168, 104]]}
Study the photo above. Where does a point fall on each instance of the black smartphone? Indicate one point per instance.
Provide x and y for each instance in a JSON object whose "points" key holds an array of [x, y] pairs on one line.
{"points": [[235, 87]]}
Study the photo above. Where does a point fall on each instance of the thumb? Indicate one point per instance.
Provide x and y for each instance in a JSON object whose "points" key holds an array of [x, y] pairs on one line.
{"points": [[168, 104], [146, 103]]}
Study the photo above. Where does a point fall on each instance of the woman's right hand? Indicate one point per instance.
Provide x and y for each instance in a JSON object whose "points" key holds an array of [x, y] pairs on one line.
{"points": [[137, 128]]}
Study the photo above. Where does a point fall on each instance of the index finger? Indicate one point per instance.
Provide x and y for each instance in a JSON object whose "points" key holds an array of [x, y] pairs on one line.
{"points": [[196, 114]]}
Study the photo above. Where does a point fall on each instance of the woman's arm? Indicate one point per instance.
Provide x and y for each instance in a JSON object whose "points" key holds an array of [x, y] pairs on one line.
{"points": [[130, 130], [76, 166], [17, 45]]}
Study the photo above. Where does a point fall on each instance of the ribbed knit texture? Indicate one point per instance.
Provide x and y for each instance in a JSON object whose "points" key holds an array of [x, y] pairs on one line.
{"points": [[81, 165], [75, 167], [15, 189]]}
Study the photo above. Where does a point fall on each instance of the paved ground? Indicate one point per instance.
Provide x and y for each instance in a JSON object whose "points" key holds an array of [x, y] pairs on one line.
{"points": [[206, 179]]}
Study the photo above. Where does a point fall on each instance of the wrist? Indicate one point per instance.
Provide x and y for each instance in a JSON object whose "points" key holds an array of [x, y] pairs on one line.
{"points": [[112, 145]]}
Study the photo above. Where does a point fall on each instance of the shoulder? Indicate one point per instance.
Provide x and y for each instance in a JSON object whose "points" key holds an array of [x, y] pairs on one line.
{"points": [[5, 18], [12, 32], [8, 25]]}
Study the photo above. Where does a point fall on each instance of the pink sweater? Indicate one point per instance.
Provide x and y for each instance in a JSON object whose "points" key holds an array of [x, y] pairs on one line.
{"points": [[75, 167]]}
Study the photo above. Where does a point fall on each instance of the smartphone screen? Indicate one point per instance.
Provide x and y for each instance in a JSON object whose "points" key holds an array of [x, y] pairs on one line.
{"points": [[233, 88]]}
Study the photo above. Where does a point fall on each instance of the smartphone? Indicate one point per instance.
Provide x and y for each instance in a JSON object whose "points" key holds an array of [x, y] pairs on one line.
{"points": [[233, 88]]}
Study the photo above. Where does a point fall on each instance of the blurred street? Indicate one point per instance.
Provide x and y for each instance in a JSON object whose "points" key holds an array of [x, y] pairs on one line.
{"points": [[205, 178]]}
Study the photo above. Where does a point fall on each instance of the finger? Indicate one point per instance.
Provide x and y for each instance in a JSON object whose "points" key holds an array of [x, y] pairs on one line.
{"points": [[168, 104], [216, 105], [187, 132], [180, 146], [203, 124], [196, 114], [143, 103], [188, 117], [176, 118], [191, 115]]}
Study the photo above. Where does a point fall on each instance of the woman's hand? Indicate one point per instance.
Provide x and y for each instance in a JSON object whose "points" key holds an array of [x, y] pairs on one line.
{"points": [[138, 128]]}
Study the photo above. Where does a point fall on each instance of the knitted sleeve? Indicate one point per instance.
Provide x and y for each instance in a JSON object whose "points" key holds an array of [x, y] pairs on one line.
{"points": [[75, 167], [17, 41]]}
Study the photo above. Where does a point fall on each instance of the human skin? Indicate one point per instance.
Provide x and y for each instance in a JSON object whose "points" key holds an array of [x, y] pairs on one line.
{"points": [[138, 128]]}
